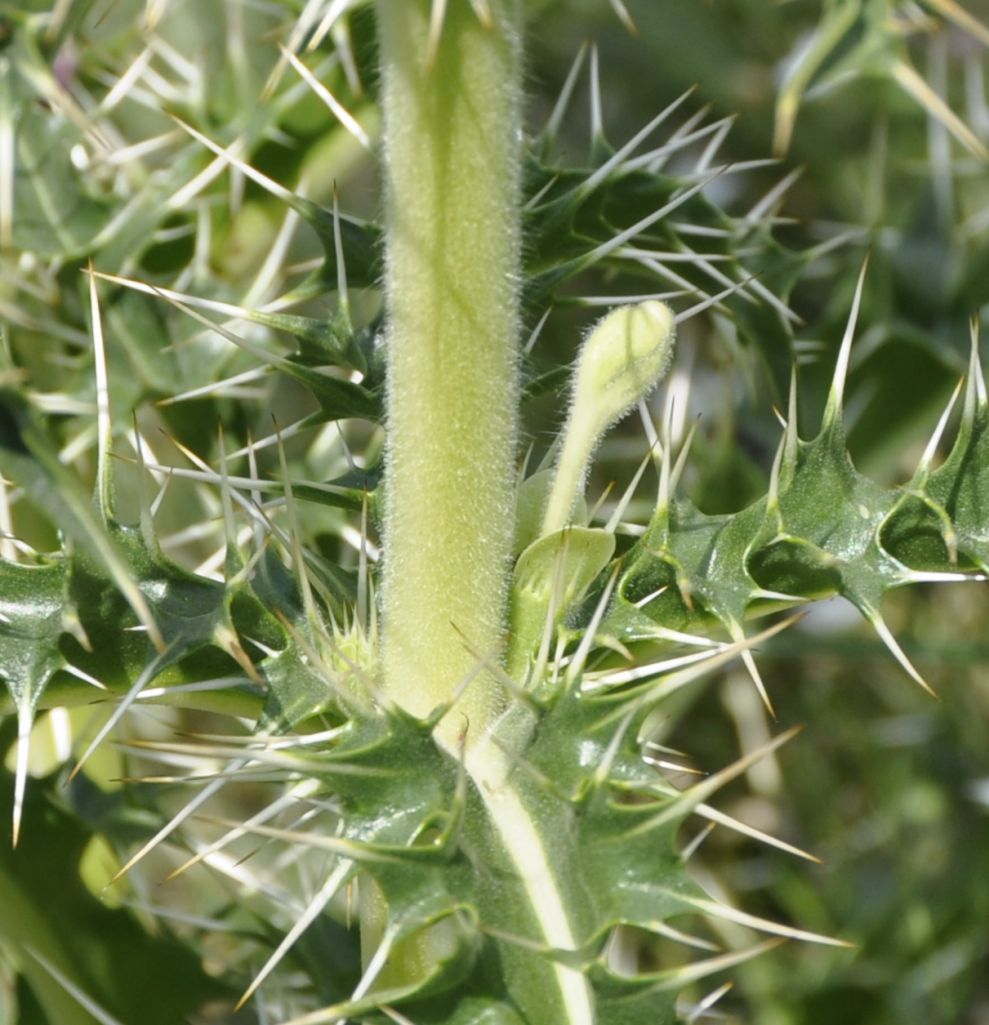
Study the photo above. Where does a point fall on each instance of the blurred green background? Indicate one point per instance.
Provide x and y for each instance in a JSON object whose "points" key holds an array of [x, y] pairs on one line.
{"points": [[889, 787]]}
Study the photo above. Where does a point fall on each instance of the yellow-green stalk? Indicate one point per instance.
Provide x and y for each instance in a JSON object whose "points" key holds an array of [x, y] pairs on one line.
{"points": [[451, 151]]}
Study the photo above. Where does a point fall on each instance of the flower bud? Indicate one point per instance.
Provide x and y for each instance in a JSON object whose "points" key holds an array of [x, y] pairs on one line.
{"points": [[622, 360]]}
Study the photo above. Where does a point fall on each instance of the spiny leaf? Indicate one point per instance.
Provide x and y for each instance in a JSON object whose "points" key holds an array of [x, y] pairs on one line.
{"points": [[55, 211], [628, 215], [825, 529]]}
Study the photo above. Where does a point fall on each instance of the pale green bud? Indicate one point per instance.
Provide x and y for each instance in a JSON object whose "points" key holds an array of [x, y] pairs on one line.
{"points": [[622, 360]]}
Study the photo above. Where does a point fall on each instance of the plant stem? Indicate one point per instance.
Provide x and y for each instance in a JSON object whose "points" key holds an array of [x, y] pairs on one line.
{"points": [[452, 134]]}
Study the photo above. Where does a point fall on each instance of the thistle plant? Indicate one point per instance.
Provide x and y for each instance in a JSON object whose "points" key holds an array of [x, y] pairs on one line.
{"points": [[291, 503]]}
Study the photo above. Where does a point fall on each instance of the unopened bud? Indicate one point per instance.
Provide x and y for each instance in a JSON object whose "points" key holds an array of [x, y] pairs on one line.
{"points": [[622, 360]]}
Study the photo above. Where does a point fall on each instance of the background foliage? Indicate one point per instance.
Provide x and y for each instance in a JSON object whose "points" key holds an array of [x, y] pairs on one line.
{"points": [[887, 786]]}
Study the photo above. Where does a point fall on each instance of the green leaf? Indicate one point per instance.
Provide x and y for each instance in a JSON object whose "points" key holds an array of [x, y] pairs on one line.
{"points": [[961, 486], [825, 529], [33, 609], [572, 228], [552, 574]]}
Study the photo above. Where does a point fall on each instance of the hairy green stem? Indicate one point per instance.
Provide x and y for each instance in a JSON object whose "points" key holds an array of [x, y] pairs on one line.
{"points": [[452, 134]]}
